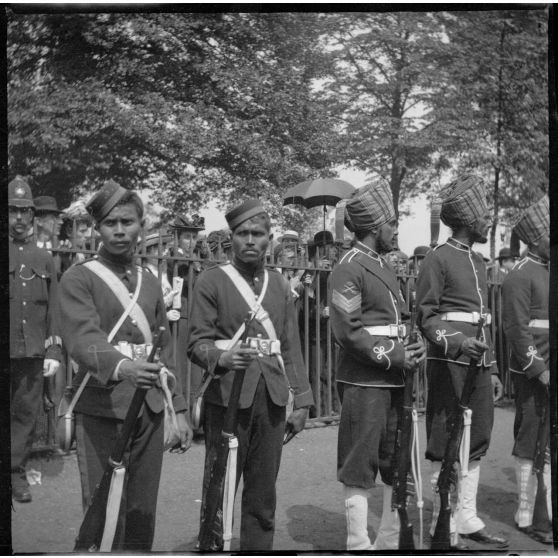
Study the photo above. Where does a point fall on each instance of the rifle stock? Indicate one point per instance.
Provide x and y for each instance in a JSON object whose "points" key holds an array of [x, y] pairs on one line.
{"points": [[402, 455], [93, 524], [211, 528], [541, 519], [448, 478]]}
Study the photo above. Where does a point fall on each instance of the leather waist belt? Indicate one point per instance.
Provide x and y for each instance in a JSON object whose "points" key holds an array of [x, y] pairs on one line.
{"points": [[266, 347], [392, 330], [468, 317], [133, 350], [542, 324]]}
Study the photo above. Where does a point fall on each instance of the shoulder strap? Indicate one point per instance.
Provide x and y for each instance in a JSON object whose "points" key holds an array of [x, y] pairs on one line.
{"points": [[123, 295]]}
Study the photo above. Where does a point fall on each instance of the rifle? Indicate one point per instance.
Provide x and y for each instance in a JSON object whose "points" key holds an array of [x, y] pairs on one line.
{"points": [[221, 487], [401, 463], [541, 520], [447, 477], [96, 532]]}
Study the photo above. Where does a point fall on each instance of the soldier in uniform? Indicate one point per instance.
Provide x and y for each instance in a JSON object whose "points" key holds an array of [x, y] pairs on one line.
{"points": [[219, 309], [451, 296], [365, 316], [90, 309], [35, 349], [525, 317]]}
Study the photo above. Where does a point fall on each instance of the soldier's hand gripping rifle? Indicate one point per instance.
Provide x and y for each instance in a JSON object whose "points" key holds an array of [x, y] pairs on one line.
{"points": [[541, 519], [448, 475], [403, 454], [216, 521], [98, 527]]}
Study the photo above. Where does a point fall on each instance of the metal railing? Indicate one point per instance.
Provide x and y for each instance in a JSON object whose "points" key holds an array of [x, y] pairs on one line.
{"points": [[318, 346]]}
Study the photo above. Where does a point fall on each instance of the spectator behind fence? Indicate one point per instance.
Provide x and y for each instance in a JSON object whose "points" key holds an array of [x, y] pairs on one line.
{"points": [[48, 220], [187, 230], [223, 299], [506, 260], [526, 326], [219, 243], [35, 347], [75, 234], [93, 297]]}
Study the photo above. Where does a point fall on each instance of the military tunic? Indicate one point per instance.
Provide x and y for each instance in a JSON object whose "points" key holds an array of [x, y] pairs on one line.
{"points": [[89, 310], [33, 337], [525, 298], [365, 292], [453, 279], [217, 313]]}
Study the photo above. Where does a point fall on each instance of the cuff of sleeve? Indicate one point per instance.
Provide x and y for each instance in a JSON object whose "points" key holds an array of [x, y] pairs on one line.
{"points": [[116, 374], [179, 403], [305, 399]]}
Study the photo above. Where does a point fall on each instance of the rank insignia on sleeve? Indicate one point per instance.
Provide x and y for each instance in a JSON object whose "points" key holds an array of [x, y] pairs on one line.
{"points": [[348, 300]]}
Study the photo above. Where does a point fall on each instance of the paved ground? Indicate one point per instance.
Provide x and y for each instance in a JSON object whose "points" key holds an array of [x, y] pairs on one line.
{"points": [[310, 514]]}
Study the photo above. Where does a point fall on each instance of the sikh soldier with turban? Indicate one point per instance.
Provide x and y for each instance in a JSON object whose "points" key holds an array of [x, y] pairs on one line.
{"points": [[451, 296], [525, 316], [224, 296], [111, 346], [365, 315]]}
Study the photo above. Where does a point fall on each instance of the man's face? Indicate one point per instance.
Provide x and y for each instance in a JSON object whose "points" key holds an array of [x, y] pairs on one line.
{"points": [[20, 220], [82, 234], [49, 224], [187, 240], [384, 237], [249, 241], [120, 229], [288, 243], [480, 229]]}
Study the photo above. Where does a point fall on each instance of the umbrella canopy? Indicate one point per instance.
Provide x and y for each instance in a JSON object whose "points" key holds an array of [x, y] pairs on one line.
{"points": [[320, 191]]}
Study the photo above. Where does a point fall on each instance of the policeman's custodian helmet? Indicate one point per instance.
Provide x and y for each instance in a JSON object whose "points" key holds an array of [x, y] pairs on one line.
{"points": [[19, 194]]}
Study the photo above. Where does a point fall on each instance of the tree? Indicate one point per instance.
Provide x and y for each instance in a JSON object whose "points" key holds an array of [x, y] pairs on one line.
{"points": [[496, 113], [192, 106]]}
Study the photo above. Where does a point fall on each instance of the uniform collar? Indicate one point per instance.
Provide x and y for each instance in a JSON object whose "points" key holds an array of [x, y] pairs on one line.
{"points": [[458, 245], [536, 259], [25, 240], [363, 249]]}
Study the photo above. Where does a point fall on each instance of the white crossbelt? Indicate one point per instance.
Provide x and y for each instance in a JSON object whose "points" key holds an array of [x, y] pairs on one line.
{"points": [[542, 324], [467, 317], [391, 330]]}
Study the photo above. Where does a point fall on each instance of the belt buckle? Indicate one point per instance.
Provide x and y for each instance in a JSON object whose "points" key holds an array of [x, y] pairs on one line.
{"points": [[263, 346], [139, 351], [402, 330]]}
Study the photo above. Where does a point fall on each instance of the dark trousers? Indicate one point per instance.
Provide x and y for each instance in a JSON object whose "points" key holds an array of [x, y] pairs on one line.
{"points": [[445, 385], [529, 403], [143, 459], [367, 431], [260, 431], [26, 398]]}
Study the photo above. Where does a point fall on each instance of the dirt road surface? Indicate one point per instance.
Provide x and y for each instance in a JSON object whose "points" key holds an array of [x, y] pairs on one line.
{"points": [[310, 512]]}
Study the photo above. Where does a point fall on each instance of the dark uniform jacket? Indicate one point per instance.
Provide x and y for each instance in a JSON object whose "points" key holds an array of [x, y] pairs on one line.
{"points": [[33, 302], [365, 292], [89, 310], [218, 311], [452, 279], [525, 298]]}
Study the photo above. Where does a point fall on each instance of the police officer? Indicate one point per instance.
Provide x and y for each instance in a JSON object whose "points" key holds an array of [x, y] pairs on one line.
{"points": [[220, 307], [90, 310], [35, 349], [451, 296], [525, 317], [365, 315]]}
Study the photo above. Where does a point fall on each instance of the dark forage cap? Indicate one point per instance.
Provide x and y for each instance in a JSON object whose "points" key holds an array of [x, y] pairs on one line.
{"points": [[463, 201], [46, 204], [19, 193], [369, 207], [186, 223], [246, 210], [534, 222], [102, 203]]}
